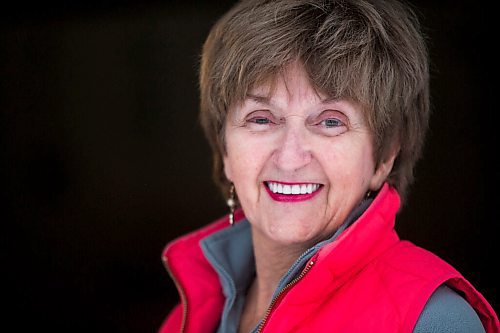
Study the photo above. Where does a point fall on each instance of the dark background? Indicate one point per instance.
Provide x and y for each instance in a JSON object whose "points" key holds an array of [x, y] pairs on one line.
{"points": [[103, 161]]}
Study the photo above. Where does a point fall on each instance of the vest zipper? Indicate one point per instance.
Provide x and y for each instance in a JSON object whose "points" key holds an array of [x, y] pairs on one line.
{"points": [[181, 293], [281, 294]]}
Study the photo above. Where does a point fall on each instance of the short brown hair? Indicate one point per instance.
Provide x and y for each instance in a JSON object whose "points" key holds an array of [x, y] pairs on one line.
{"points": [[372, 52]]}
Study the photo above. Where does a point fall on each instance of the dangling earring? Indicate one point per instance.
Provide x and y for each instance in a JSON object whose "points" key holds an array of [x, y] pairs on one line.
{"points": [[231, 203]]}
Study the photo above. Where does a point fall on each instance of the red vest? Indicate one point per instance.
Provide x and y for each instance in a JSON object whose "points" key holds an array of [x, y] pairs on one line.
{"points": [[367, 280]]}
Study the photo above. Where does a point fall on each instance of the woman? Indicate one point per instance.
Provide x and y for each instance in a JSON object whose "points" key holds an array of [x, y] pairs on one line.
{"points": [[316, 112]]}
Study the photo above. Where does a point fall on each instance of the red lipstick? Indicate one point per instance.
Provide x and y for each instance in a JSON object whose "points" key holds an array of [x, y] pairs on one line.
{"points": [[291, 197]]}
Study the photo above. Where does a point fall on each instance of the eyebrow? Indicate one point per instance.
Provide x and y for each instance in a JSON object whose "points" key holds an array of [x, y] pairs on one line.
{"points": [[330, 100], [266, 100], [259, 99]]}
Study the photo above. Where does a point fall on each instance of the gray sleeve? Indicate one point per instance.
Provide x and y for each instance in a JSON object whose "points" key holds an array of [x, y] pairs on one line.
{"points": [[447, 312]]}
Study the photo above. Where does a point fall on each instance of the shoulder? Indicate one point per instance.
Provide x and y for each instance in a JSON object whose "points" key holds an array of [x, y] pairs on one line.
{"points": [[447, 311], [421, 276], [173, 320]]}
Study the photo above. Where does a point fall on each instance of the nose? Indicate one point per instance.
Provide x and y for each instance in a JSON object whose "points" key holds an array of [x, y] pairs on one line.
{"points": [[292, 151]]}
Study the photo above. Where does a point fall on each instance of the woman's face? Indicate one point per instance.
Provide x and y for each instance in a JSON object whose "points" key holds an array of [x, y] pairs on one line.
{"points": [[300, 162]]}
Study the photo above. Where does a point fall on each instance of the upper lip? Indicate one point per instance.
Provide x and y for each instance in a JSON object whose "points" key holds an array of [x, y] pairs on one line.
{"points": [[292, 183]]}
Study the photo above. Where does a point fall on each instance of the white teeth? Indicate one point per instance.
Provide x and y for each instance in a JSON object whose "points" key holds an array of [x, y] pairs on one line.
{"points": [[293, 189]]}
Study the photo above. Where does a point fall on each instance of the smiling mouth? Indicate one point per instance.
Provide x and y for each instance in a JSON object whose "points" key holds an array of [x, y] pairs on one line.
{"points": [[289, 192], [280, 188]]}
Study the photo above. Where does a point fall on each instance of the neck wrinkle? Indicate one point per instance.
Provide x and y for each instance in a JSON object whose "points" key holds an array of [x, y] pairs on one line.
{"points": [[272, 262]]}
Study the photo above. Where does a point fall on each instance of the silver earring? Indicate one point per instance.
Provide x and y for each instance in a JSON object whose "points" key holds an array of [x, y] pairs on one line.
{"points": [[231, 203]]}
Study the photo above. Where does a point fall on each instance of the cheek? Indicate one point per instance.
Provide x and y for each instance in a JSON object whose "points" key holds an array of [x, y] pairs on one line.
{"points": [[247, 150], [231, 158], [348, 163], [242, 161]]}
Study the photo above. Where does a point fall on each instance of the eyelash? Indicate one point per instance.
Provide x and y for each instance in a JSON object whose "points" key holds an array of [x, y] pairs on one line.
{"points": [[265, 121], [329, 125], [337, 122], [260, 120]]}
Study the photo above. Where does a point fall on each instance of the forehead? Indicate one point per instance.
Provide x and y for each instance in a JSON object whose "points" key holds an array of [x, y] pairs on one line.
{"points": [[292, 90], [291, 84]]}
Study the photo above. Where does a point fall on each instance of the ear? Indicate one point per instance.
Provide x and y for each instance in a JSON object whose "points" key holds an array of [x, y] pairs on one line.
{"points": [[227, 168], [384, 167]]}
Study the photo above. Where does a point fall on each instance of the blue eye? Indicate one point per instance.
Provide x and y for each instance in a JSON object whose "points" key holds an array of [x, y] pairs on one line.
{"points": [[331, 122], [261, 121]]}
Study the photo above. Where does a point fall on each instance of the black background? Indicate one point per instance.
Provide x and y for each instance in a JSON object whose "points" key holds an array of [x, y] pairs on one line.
{"points": [[103, 161]]}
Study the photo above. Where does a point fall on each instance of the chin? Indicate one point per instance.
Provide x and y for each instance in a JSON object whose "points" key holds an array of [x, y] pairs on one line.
{"points": [[290, 235]]}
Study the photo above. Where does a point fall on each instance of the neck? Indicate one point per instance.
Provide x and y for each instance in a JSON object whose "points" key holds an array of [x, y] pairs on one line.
{"points": [[272, 261]]}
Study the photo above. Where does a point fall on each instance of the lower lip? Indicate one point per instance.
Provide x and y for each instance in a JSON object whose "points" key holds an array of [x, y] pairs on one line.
{"points": [[291, 197]]}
